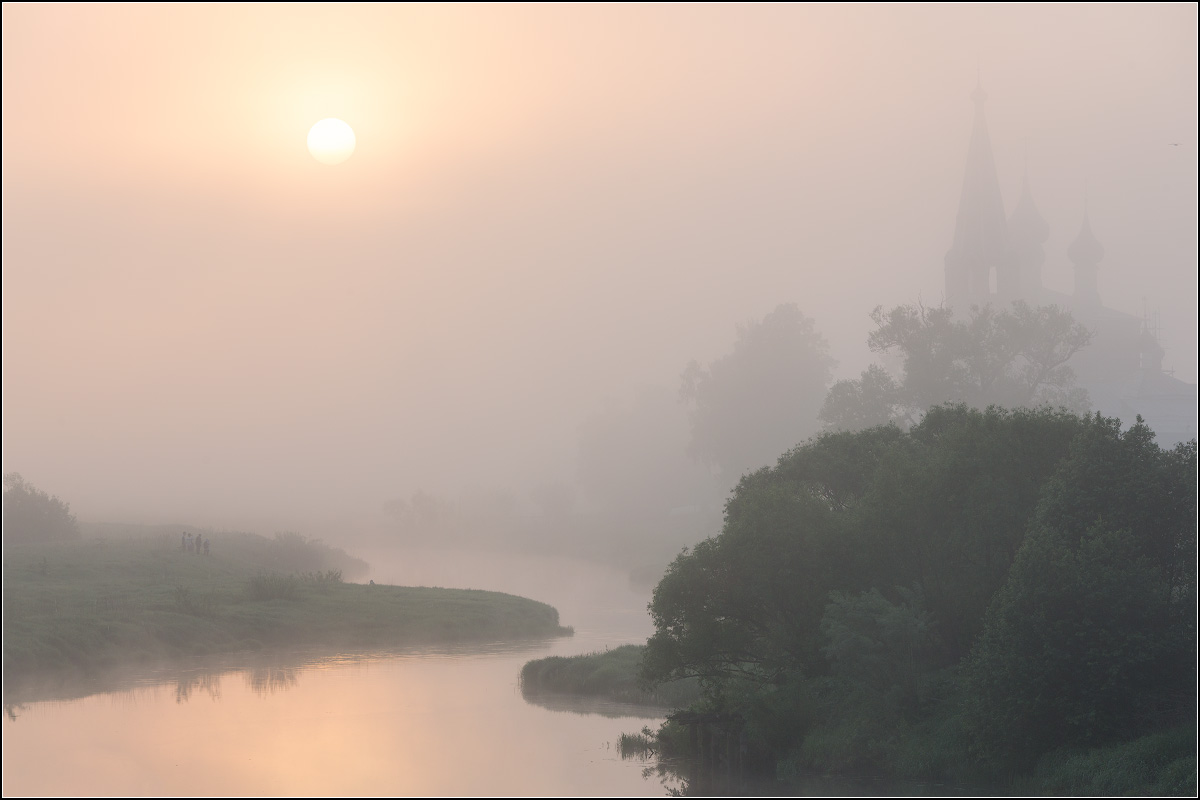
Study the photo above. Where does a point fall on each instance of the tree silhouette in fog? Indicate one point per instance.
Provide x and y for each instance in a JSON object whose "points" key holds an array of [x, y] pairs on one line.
{"points": [[754, 403], [1013, 358], [31, 515]]}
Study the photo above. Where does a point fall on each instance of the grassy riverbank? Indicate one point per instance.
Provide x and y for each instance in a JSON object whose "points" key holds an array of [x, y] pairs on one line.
{"points": [[612, 674], [92, 605]]}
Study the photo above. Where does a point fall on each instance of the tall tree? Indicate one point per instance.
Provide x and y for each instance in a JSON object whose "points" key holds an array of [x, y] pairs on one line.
{"points": [[1092, 637], [1013, 357], [761, 399]]}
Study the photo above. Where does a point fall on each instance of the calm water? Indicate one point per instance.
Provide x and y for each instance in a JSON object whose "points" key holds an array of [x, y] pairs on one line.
{"points": [[446, 721]]}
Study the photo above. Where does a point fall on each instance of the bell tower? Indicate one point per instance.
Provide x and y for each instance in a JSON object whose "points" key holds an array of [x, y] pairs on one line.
{"points": [[980, 251]]}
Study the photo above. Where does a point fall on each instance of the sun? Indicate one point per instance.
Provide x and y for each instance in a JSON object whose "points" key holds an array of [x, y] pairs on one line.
{"points": [[331, 141]]}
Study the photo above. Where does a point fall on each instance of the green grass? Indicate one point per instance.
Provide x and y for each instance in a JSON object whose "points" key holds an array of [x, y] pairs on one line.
{"points": [[86, 606], [613, 674], [1158, 765]]}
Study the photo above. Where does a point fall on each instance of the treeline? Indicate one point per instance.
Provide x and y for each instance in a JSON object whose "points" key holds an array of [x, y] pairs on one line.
{"points": [[953, 601], [653, 472], [31, 515]]}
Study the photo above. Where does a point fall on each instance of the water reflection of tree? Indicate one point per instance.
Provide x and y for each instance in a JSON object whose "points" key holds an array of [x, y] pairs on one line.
{"points": [[268, 680], [11, 710], [583, 705], [209, 682], [702, 774]]}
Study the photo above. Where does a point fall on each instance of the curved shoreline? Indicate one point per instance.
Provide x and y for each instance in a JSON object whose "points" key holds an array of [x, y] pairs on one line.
{"points": [[82, 608]]}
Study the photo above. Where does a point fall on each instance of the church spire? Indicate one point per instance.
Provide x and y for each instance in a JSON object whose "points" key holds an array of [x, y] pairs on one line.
{"points": [[980, 232]]}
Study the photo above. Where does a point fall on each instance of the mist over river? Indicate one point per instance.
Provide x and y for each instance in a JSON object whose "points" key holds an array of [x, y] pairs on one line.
{"points": [[430, 721]]}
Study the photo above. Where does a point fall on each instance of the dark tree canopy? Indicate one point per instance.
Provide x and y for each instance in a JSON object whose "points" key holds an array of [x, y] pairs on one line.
{"points": [[1092, 637], [1013, 358], [942, 507], [753, 403], [31, 515], [1010, 580]]}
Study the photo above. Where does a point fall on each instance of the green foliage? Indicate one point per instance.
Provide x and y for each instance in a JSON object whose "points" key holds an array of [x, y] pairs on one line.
{"points": [[942, 508], [883, 647], [1157, 765], [764, 394], [1014, 358], [614, 674], [321, 580], [948, 508], [855, 741], [1092, 637], [747, 603], [876, 398], [835, 613], [31, 515]]}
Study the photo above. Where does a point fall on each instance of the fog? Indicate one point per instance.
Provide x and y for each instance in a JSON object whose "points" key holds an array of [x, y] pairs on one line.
{"points": [[549, 214]]}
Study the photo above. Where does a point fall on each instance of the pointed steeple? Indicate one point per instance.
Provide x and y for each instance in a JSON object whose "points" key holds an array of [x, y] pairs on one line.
{"points": [[1027, 233], [1086, 253], [980, 232]]}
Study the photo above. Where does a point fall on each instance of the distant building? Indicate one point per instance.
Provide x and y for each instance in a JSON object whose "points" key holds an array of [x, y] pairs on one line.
{"points": [[998, 260]]}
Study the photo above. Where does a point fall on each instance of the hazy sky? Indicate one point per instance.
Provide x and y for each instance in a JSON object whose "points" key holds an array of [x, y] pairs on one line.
{"points": [[548, 208]]}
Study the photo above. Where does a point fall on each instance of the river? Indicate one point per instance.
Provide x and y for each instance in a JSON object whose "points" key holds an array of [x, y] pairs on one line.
{"points": [[434, 721]]}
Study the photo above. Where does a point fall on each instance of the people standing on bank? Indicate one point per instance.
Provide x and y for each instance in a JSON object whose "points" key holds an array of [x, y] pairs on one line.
{"points": [[197, 544]]}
